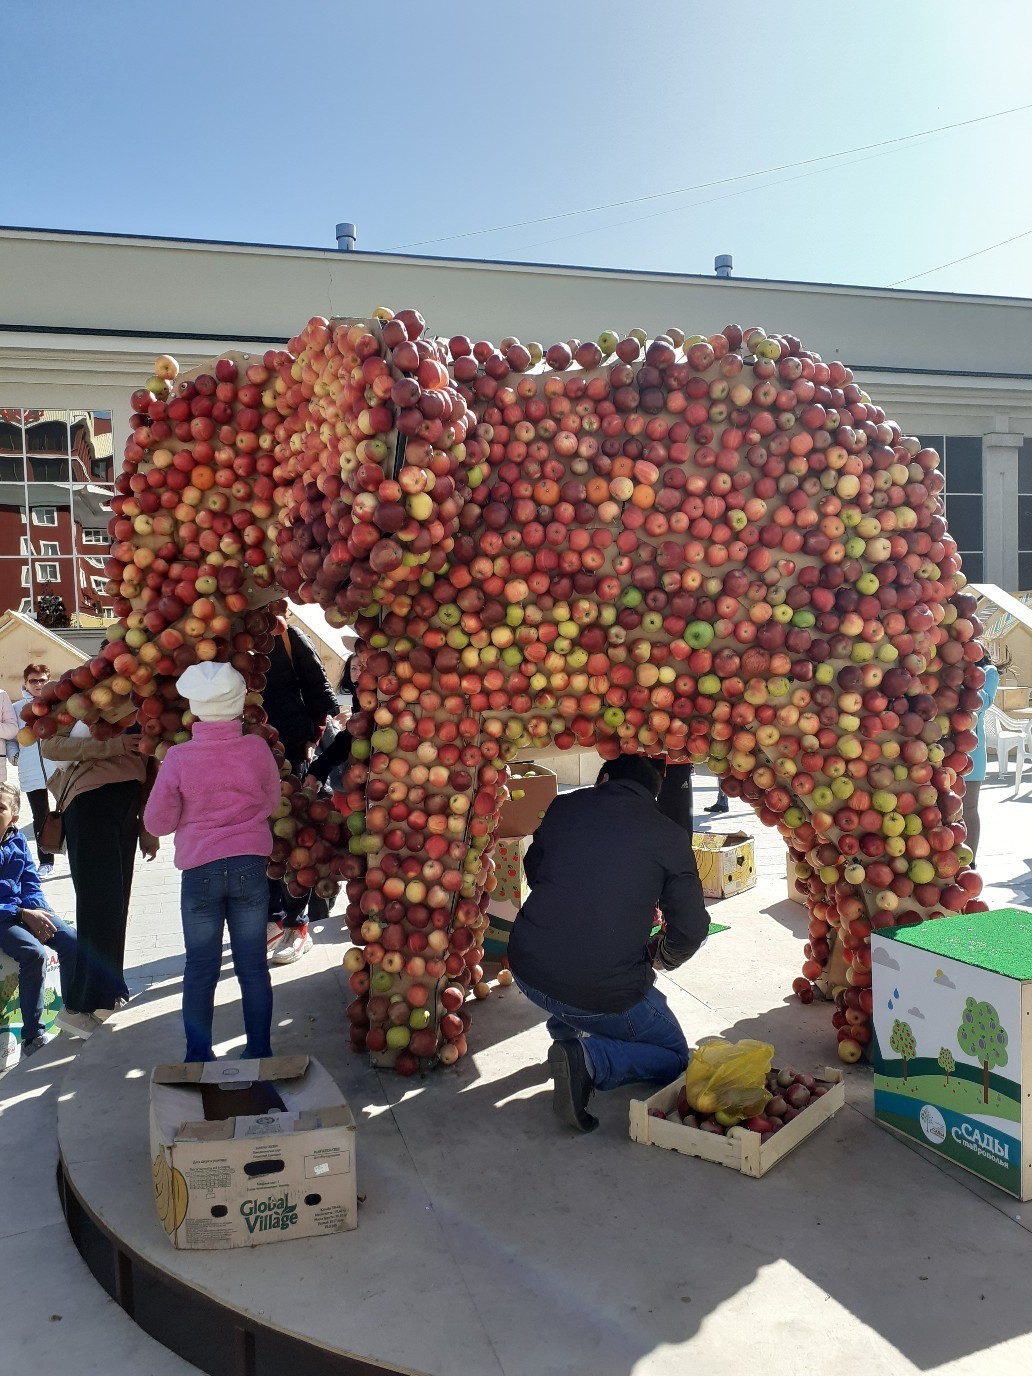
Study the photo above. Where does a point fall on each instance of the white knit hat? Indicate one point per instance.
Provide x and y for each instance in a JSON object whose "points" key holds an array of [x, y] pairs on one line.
{"points": [[214, 691]]}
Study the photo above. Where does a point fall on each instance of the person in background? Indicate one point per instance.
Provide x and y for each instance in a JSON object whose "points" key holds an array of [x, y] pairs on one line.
{"points": [[9, 728], [100, 790], [335, 750], [722, 804], [28, 925], [33, 770], [675, 796], [976, 777], [222, 851], [601, 862], [298, 701]]}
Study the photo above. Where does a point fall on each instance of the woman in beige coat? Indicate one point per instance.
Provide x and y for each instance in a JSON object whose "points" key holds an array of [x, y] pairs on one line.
{"points": [[101, 792]]}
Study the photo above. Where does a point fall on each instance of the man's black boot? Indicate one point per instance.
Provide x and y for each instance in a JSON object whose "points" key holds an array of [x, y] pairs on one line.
{"points": [[721, 805], [572, 1085]]}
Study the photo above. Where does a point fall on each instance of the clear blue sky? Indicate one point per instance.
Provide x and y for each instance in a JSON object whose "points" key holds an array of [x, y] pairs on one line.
{"points": [[271, 121]]}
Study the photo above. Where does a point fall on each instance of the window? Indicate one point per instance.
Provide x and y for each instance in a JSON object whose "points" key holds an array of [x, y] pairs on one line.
{"points": [[44, 515], [23, 546], [50, 549], [95, 536], [25, 576], [25, 606], [961, 457], [1025, 516], [99, 585], [47, 573], [12, 470]]}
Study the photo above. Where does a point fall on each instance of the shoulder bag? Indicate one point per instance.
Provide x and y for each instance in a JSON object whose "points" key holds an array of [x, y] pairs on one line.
{"points": [[51, 838]]}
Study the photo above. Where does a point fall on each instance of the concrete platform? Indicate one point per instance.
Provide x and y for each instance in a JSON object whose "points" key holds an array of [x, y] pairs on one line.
{"points": [[492, 1240]]}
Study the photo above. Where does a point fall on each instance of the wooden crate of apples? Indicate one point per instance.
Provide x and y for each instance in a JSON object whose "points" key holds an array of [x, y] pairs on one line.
{"points": [[799, 1104]]}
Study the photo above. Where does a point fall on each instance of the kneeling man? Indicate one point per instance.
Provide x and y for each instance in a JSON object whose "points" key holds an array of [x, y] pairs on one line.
{"points": [[600, 863]]}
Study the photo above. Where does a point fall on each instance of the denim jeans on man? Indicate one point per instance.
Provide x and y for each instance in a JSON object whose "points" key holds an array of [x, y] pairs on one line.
{"points": [[226, 893], [643, 1043], [32, 956]]}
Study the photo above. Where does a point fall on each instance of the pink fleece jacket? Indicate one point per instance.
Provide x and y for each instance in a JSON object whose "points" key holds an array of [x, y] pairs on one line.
{"points": [[216, 792]]}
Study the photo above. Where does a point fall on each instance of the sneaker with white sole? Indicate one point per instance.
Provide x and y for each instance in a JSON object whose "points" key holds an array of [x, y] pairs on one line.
{"points": [[273, 935], [293, 944], [45, 871], [29, 1048], [102, 1014], [80, 1025]]}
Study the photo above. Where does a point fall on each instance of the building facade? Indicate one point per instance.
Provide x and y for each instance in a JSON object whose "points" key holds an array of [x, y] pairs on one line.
{"points": [[83, 315], [56, 476]]}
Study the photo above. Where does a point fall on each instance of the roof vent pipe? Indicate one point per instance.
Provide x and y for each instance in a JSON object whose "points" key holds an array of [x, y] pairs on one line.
{"points": [[723, 264], [347, 234]]}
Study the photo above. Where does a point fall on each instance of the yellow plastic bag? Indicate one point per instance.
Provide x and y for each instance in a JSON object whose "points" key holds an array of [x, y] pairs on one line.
{"points": [[727, 1078]]}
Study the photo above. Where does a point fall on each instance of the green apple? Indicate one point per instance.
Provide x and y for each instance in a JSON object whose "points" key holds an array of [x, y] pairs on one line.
{"points": [[698, 634]]}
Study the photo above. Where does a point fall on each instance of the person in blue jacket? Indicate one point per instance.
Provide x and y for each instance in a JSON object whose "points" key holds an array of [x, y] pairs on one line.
{"points": [[974, 780], [27, 925]]}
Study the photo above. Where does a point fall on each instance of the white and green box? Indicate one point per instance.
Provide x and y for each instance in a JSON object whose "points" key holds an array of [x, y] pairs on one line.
{"points": [[10, 1006], [953, 1040]]}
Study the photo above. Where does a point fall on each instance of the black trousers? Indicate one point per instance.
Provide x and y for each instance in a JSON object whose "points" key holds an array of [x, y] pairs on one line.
{"points": [[39, 802], [675, 797], [102, 829], [283, 906]]}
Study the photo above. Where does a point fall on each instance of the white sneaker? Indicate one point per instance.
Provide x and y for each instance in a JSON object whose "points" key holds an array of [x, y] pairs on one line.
{"points": [[80, 1025], [293, 944], [273, 935], [45, 871]]}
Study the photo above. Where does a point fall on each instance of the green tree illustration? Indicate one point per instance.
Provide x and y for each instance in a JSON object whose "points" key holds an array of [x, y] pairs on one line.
{"points": [[947, 1062], [981, 1037], [903, 1043]]}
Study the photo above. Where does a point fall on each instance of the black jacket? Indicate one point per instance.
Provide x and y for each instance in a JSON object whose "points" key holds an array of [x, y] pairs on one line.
{"points": [[600, 862], [297, 697]]}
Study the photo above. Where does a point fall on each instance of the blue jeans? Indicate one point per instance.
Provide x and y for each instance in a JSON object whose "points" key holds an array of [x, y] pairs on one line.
{"points": [[643, 1043], [32, 956], [229, 893]]}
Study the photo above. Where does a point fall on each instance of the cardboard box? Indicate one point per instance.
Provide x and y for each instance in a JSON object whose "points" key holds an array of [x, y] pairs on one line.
{"points": [[508, 896], [531, 788], [952, 1013], [10, 1006], [248, 1152], [746, 1153], [726, 862]]}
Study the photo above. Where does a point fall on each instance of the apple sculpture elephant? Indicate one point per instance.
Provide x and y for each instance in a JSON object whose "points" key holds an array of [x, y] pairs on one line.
{"points": [[710, 549]]}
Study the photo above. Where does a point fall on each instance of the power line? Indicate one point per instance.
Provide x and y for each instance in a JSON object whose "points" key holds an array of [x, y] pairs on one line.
{"points": [[977, 254], [710, 200], [705, 186]]}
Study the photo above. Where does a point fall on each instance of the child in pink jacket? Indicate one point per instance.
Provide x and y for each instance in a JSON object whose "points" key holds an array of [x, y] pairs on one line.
{"points": [[216, 792]]}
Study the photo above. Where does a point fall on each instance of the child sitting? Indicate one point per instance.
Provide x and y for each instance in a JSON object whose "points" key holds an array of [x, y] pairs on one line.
{"points": [[27, 924], [217, 792]]}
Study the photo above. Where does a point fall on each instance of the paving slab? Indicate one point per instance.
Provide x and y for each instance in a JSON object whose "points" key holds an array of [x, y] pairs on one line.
{"points": [[517, 1247]]}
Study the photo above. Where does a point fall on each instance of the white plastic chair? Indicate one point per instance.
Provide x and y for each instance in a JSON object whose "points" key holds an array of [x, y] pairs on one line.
{"points": [[1004, 734]]}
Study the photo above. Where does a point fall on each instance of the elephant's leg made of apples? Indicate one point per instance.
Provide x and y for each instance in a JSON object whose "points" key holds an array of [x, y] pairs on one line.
{"points": [[422, 828]]}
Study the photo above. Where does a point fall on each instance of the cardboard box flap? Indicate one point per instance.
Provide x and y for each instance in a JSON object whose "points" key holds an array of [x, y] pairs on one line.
{"points": [[719, 840], [336, 1116], [225, 1072]]}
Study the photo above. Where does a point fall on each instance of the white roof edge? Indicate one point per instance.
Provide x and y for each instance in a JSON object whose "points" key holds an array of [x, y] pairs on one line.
{"points": [[492, 265], [1006, 602], [11, 619]]}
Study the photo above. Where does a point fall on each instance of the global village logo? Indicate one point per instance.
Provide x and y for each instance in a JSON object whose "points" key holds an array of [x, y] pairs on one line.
{"points": [[265, 1215]]}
